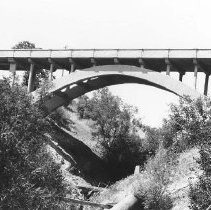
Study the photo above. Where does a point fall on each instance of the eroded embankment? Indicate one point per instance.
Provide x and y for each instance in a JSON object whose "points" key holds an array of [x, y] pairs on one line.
{"points": [[83, 159]]}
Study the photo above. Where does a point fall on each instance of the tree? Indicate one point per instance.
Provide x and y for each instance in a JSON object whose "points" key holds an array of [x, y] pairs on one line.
{"points": [[115, 129], [40, 74], [187, 120], [29, 178], [189, 126], [24, 45]]}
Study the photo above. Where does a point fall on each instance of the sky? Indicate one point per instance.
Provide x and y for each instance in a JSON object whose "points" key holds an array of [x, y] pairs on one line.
{"points": [[53, 24]]}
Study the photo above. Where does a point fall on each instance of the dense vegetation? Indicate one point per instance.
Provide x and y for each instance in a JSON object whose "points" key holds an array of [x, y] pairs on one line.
{"points": [[116, 129], [29, 178], [188, 126]]}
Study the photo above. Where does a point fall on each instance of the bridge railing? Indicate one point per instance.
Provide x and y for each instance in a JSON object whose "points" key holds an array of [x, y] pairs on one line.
{"points": [[106, 53]]}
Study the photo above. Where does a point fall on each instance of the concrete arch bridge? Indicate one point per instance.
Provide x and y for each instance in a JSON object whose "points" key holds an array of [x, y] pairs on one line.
{"points": [[78, 83]]}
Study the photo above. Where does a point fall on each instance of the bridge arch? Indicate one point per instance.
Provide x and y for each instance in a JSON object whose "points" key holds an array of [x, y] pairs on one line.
{"points": [[67, 88]]}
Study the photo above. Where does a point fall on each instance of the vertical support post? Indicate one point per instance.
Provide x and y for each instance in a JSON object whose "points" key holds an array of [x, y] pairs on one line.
{"points": [[72, 68], [168, 66], [206, 83], [13, 78], [31, 77], [51, 71], [116, 61], [93, 61], [195, 75], [181, 74], [168, 69], [141, 62], [13, 68]]}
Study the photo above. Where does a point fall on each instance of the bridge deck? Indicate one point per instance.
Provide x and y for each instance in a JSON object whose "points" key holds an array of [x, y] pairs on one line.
{"points": [[181, 60]]}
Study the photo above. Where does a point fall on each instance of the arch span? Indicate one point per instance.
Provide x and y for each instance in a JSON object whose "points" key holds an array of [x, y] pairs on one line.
{"points": [[78, 83]]}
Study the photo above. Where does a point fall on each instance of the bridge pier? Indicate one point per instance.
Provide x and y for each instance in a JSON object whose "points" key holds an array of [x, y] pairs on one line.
{"points": [[31, 77], [141, 62], [206, 83], [93, 62], [51, 72], [181, 74], [116, 61], [168, 66], [195, 73], [72, 67], [52, 65], [13, 67]]}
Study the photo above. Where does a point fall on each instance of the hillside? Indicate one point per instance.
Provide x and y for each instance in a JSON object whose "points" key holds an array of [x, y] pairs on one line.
{"points": [[186, 170]]}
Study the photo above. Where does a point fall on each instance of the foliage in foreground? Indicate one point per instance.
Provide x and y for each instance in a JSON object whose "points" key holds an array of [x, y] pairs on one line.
{"points": [[189, 126], [156, 177], [200, 192], [29, 179]]}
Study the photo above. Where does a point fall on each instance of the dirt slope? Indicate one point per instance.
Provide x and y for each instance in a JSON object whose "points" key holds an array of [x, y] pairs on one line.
{"points": [[187, 170]]}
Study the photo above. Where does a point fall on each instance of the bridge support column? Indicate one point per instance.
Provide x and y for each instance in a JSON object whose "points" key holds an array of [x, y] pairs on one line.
{"points": [[168, 66], [31, 77], [206, 83], [51, 71], [181, 74], [116, 61], [72, 67], [141, 62], [52, 66], [93, 62], [13, 67], [195, 74]]}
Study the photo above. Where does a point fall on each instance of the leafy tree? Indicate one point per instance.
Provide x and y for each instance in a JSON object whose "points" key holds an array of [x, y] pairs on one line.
{"points": [[186, 123], [24, 45], [190, 125], [29, 178], [40, 74], [115, 128], [151, 141]]}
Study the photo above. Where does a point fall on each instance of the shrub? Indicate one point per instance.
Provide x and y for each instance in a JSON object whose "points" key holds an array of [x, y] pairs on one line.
{"points": [[184, 128], [151, 189], [200, 192]]}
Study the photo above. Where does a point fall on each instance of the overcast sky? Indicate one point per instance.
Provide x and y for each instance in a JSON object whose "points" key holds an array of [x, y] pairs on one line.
{"points": [[112, 24]]}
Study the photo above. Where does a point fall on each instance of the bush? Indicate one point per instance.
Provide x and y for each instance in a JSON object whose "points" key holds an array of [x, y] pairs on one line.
{"points": [[151, 188], [184, 128], [200, 192], [29, 179]]}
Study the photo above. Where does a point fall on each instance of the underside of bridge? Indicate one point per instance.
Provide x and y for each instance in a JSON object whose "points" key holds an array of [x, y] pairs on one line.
{"points": [[67, 88]]}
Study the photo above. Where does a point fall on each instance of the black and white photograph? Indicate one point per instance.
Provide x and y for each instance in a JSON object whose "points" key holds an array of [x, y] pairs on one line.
{"points": [[105, 104]]}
